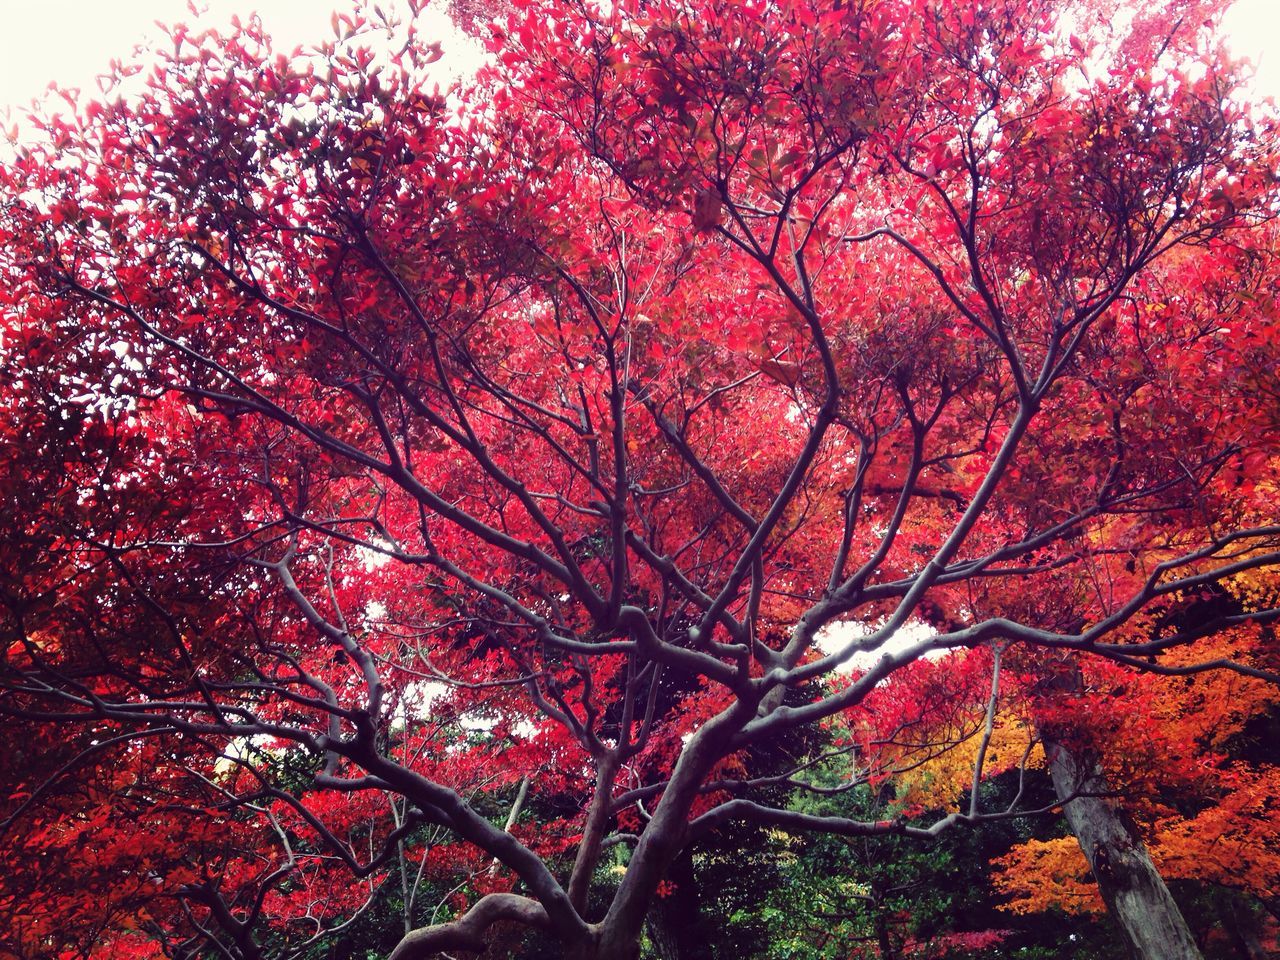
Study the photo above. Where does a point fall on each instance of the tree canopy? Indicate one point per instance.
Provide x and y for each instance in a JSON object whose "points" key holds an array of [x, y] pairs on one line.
{"points": [[707, 411]]}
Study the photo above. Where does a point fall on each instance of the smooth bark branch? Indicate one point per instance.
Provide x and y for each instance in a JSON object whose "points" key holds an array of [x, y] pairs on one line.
{"points": [[468, 931]]}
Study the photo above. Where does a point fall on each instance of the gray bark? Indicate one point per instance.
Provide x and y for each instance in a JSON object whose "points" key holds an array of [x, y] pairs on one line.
{"points": [[1133, 889], [468, 931]]}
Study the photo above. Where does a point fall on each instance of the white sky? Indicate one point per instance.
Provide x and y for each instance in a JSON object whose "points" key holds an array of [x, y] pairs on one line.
{"points": [[72, 41]]}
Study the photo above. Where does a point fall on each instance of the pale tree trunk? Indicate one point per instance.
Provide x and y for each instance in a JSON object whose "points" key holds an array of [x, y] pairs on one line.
{"points": [[1134, 892]]}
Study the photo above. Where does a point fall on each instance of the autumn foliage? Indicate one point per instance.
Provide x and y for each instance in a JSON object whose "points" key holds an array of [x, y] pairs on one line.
{"points": [[499, 486]]}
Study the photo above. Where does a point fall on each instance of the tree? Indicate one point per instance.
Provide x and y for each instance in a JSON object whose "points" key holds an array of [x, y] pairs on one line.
{"points": [[1201, 808], [610, 405]]}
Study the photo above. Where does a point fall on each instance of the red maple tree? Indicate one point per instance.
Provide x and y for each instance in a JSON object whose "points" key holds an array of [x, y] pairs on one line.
{"points": [[612, 403]]}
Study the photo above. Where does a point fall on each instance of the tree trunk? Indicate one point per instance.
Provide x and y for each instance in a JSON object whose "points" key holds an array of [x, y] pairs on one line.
{"points": [[1134, 892], [674, 922], [611, 948], [884, 940], [662, 935], [1240, 925]]}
